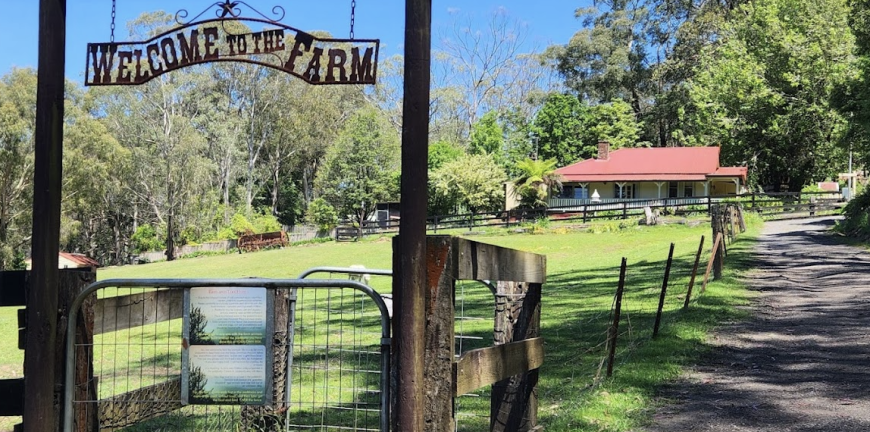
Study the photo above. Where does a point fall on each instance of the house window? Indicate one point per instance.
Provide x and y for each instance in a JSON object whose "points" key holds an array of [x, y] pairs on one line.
{"points": [[688, 189], [673, 187], [581, 193], [626, 192], [567, 192]]}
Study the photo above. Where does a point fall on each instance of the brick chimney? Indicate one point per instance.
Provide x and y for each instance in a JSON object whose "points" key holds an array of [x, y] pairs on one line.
{"points": [[603, 150]]}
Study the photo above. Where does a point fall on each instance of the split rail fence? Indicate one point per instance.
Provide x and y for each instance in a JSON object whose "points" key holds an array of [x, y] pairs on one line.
{"points": [[773, 205]]}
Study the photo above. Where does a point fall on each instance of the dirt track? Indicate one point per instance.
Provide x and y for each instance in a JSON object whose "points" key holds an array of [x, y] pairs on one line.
{"points": [[802, 362]]}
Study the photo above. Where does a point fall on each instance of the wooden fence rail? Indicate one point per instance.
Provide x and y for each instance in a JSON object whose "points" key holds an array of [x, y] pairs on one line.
{"points": [[511, 366]]}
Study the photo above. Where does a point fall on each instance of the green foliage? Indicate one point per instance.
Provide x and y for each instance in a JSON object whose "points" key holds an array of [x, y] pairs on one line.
{"points": [[536, 180], [146, 239], [263, 222], [473, 182], [763, 93], [487, 136], [568, 130], [857, 217], [359, 168], [239, 225], [558, 127], [441, 152], [322, 214]]}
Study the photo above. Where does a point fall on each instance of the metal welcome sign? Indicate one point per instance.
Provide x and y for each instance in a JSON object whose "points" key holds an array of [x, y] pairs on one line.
{"points": [[313, 59]]}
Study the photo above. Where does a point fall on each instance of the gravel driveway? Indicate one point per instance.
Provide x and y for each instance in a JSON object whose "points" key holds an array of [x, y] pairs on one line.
{"points": [[802, 362]]}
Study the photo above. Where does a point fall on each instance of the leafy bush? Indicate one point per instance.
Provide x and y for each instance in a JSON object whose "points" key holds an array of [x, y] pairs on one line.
{"points": [[322, 214], [145, 239], [263, 221], [240, 225], [857, 212]]}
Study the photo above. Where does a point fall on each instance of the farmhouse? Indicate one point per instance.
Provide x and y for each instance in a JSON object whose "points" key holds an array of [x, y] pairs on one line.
{"points": [[644, 173]]}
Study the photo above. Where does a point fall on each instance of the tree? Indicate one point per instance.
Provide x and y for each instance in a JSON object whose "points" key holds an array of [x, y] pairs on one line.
{"points": [[482, 69], [358, 171], [536, 180], [567, 130], [764, 93], [487, 136], [473, 182], [17, 119]]}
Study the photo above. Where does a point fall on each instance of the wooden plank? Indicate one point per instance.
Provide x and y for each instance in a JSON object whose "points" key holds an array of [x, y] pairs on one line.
{"points": [[485, 366], [13, 286], [139, 405], [481, 261], [119, 313], [12, 397]]}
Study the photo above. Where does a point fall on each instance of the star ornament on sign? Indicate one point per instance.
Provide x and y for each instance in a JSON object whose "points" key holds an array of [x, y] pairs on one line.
{"points": [[228, 7]]}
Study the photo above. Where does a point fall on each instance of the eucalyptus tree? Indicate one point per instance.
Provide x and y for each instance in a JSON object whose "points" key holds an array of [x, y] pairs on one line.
{"points": [[17, 119], [157, 122], [97, 217]]}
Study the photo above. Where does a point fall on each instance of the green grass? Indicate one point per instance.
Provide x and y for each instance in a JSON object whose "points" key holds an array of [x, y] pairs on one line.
{"points": [[582, 276]]}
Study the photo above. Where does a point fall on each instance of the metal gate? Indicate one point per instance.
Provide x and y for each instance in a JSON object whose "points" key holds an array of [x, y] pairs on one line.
{"points": [[330, 353]]}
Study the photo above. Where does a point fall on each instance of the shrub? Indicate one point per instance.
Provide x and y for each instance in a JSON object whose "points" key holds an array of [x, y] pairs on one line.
{"points": [[857, 213], [322, 214], [240, 225], [145, 239]]}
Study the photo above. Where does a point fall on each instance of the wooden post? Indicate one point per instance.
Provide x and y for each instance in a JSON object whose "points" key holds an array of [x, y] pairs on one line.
{"points": [[614, 327], [268, 417], [71, 283], [40, 408], [625, 210], [713, 253], [514, 401], [709, 205], [741, 219], [439, 349], [664, 290], [409, 248], [694, 272]]}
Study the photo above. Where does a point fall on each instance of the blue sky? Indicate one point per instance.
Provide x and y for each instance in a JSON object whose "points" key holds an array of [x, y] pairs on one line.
{"points": [[548, 22]]}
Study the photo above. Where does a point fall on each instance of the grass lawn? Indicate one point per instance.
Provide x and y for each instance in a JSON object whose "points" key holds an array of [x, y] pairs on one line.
{"points": [[582, 275]]}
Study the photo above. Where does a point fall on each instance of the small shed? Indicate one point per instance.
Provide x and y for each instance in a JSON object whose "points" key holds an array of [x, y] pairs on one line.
{"points": [[69, 260]]}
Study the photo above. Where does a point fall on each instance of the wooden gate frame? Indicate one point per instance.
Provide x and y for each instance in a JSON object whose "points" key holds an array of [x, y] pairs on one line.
{"points": [[511, 365]]}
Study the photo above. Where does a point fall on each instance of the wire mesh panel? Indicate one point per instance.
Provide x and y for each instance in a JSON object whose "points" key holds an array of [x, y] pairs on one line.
{"points": [[473, 329], [330, 349]]}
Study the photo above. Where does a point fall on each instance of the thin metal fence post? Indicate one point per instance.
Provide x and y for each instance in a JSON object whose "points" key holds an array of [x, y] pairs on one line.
{"points": [[694, 273], [664, 290], [614, 327]]}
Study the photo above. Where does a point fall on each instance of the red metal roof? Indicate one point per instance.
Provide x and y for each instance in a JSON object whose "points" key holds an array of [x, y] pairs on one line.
{"points": [[653, 164], [79, 259]]}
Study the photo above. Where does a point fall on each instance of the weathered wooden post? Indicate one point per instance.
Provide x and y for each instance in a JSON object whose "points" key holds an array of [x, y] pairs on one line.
{"points": [[514, 401], [614, 326], [694, 273], [409, 248], [664, 291], [718, 227], [40, 408]]}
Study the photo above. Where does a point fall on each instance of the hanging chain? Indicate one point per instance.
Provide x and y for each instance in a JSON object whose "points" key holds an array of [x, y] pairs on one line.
{"points": [[112, 38], [352, 16]]}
